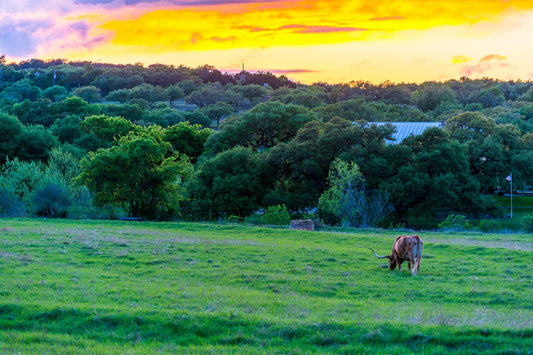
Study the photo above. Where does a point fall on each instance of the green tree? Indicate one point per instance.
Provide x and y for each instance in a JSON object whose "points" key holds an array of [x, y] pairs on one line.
{"points": [[67, 129], [197, 117], [21, 90], [148, 92], [187, 139], [106, 128], [11, 128], [52, 200], [430, 95], [276, 216], [470, 126], [527, 96], [130, 111], [309, 97], [120, 95], [217, 111], [347, 199], [206, 95], [173, 93], [436, 178], [73, 105], [55, 93], [35, 143], [490, 97], [141, 173], [228, 184], [299, 167], [253, 93], [264, 126], [18, 181], [351, 110], [91, 94], [35, 112]]}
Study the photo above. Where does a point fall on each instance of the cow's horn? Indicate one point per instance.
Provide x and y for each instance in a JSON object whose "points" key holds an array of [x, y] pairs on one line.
{"points": [[378, 256]]}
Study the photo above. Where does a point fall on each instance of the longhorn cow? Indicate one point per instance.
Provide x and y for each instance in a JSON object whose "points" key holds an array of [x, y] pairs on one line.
{"points": [[405, 248]]}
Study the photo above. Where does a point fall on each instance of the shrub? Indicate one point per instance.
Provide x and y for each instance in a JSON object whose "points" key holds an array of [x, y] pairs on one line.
{"points": [[233, 219], [276, 215], [253, 219], [52, 201], [10, 204], [455, 223], [489, 225], [527, 223]]}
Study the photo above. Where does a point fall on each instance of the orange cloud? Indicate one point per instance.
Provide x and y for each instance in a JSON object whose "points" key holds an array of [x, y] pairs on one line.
{"points": [[275, 23], [492, 57], [382, 38]]}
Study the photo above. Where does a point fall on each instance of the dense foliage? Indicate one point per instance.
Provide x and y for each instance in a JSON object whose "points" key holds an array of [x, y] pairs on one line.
{"points": [[164, 141]]}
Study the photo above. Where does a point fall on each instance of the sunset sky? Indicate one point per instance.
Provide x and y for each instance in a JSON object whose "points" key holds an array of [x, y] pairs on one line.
{"points": [[309, 41]]}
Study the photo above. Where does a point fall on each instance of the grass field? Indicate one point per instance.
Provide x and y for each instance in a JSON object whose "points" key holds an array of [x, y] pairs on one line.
{"points": [[136, 288]]}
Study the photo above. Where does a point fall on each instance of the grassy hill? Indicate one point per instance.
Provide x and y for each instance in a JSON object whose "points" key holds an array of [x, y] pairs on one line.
{"points": [[119, 287]]}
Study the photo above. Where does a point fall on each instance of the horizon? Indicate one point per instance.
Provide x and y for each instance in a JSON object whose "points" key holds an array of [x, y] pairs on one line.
{"points": [[307, 41]]}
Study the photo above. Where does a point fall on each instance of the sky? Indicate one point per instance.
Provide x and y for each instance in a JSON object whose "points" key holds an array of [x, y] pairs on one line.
{"points": [[308, 41]]}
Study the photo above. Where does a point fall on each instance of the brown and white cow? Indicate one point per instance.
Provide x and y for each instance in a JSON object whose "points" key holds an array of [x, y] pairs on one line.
{"points": [[405, 248]]}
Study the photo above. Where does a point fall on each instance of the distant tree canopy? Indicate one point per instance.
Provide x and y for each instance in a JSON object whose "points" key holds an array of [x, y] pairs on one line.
{"points": [[207, 144]]}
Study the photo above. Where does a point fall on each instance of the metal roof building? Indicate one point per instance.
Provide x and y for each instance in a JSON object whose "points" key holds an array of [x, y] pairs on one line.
{"points": [[405, 129]]}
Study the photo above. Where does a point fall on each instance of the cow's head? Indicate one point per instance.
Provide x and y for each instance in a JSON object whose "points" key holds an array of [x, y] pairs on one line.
{"points": [[392, 261]]}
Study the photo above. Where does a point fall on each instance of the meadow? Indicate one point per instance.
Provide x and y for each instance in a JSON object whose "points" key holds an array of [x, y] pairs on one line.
{"points": [[142, 287]]}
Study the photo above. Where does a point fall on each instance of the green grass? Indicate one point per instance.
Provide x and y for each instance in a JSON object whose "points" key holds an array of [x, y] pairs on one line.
{"points": [[135, 288]]}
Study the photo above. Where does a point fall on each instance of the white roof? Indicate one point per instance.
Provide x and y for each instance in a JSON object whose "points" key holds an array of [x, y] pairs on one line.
{"points": [[405, 129]]}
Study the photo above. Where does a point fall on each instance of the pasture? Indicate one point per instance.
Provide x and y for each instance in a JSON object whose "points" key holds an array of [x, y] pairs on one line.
{"points": [[139, 287]]}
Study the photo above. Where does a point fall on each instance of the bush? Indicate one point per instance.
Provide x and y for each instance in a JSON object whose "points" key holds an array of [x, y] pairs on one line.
{"points": [[454, 223], [254, 219], [233, 219], [489, 225], [527, 223], [276, 215], [52, 201], [10, 204]]}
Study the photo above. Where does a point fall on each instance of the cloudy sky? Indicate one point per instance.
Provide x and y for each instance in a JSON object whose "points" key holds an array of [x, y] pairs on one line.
{"points": [[309, 41]]}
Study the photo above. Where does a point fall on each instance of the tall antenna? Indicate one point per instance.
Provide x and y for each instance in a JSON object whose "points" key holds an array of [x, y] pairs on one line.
{"points": [[242, 66]]}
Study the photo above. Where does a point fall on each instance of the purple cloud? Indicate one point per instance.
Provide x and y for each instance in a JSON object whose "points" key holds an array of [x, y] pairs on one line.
{"points": [[223, 39], [166, 3], [18, 35], [486, 64], [24, 37], [292, 71]]}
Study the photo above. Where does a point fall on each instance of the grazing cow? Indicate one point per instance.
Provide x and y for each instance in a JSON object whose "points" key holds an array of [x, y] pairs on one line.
{"points": [[302, 224], [405, 248]]}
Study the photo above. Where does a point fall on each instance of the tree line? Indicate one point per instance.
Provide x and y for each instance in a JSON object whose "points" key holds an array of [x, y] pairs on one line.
{"points": [[82, 139]]}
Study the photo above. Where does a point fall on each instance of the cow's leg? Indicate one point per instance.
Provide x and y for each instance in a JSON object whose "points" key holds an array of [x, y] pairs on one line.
{"points": [[416, 265]]}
